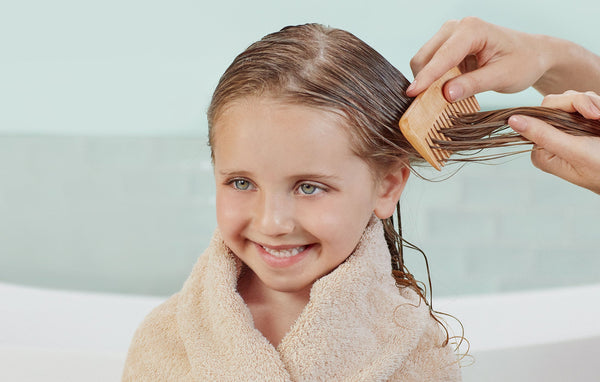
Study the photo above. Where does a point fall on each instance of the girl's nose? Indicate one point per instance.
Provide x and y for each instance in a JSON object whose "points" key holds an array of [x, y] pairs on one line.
{"points": [[275, 215]]}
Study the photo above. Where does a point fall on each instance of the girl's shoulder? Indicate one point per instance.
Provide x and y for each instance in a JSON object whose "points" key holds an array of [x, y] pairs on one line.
{"points": [[156, 337], [160, 319]]}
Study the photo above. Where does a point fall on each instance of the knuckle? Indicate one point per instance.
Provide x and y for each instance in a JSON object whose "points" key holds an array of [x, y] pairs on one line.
{"points": [[504, 83], [580, 98], [472, 84], [538, 163], [444, 49], [450, 24], [549, 99], [539, 159], [416, 63], [536, 133], [539, 138], [471, 22]]}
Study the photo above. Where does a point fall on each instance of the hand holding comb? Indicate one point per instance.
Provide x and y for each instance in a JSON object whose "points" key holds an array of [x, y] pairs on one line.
{"points": [[437, 128], [428, 114]]}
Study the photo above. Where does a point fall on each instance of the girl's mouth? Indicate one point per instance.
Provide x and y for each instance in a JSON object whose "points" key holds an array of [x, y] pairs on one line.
{"points": [[283, 257], [284, 253]]}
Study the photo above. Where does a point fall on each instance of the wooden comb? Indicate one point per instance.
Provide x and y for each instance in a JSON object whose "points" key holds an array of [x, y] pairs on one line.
{"points": [[428, 114]]}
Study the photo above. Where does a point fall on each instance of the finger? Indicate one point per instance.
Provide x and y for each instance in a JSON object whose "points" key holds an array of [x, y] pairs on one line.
{"points": [[548, 138], [553, 164], [595, 98], [560, 101], [423, 56], [587, 104], [488, 77], [554, 152], [450, 54]]}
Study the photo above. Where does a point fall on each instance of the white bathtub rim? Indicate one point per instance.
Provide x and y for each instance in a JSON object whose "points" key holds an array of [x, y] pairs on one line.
{"points": [[70, 320], [526, 318]]}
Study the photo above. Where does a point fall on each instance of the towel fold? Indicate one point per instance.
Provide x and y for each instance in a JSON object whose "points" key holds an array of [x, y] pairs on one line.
{"points": [[357, 326]]}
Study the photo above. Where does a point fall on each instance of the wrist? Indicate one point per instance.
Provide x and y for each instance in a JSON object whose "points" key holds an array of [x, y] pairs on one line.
{"points": [[568, 66], [552, 63]]}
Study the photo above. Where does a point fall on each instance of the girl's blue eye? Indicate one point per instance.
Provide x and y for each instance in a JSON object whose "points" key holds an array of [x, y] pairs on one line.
{"points": [[241, 184], [308, 188]]}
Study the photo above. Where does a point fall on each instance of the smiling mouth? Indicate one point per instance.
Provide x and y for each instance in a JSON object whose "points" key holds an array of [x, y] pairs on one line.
{"points": [[284, 253]]}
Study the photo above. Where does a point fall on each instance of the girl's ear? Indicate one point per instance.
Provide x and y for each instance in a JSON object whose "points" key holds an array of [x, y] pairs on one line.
{"points": [[389, 191]]}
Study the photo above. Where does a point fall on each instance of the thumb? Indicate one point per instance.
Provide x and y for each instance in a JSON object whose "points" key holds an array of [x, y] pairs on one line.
{"points": [[486, 78], [557, 153], [546, 136]]}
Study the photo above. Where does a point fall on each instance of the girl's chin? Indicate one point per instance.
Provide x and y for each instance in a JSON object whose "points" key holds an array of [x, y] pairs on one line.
{"points": [[300, 287]]}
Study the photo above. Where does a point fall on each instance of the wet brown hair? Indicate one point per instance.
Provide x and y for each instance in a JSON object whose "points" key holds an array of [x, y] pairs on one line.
{"points": [[489, 129], [333, 70], [327, 68]]}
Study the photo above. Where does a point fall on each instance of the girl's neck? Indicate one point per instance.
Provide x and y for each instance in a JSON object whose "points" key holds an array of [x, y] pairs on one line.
{"points": [[274, 312]]}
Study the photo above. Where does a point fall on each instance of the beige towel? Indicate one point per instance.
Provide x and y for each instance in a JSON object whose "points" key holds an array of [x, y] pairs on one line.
{"points": [[357, 326]]}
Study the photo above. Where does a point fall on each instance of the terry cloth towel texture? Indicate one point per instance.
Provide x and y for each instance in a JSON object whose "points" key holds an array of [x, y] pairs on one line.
{"points": [[357, 326]]}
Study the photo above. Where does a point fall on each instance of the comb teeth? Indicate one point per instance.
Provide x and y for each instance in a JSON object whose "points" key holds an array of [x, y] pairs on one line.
{"points": [[444, 121], [429, 114]]}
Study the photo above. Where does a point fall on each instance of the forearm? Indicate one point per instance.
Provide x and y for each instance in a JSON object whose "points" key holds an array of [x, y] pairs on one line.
{"points": [[569, 67]]}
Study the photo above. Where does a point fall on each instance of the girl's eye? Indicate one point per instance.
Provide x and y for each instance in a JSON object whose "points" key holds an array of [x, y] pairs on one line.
{"points": [[309, 189], [241, 184]]}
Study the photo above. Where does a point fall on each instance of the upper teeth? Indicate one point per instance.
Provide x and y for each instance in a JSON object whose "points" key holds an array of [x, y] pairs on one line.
{"points": [[285, 252]]}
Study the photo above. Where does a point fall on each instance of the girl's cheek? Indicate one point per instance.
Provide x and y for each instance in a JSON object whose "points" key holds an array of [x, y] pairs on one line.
{"points": [[225, 207], [232, 209]]}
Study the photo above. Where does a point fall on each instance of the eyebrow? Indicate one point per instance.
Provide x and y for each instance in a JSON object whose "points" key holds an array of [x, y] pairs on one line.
{"points": [[308, 175], [228, 173]]}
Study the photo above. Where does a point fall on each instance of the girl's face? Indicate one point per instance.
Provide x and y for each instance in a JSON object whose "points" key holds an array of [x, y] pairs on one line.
{"points": [[292, 198]]}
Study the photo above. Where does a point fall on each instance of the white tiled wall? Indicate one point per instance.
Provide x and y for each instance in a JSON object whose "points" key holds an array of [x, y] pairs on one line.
{"points": [[503, 227], [106, 213]]}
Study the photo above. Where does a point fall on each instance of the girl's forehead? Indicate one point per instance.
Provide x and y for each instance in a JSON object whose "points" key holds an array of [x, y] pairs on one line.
{"points": [[263, 127], [282, 100], [288, 113]]}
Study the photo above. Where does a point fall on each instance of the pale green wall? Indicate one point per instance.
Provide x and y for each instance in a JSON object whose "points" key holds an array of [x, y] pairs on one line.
{"points": [[105, 179], [119, 67]]}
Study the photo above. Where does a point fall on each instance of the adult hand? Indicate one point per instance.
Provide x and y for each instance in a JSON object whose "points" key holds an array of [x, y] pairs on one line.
{"points": [[492, 58], [573, 158], [497, 58]]}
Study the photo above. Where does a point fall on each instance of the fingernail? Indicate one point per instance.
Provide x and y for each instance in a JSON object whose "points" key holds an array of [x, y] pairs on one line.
{"points": [[455, 92], [412, 86], [518, 123]]}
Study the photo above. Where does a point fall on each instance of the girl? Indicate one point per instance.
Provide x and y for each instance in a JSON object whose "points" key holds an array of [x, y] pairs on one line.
{"points": [[297, 283]]}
